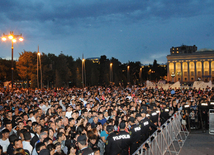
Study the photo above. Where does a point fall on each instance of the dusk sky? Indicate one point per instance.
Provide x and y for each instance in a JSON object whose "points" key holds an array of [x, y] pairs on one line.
{"points": [[129, 30]]}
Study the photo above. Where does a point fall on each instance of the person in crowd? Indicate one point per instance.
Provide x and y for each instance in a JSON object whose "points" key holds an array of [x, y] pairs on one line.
{"points": [[4, 141]]}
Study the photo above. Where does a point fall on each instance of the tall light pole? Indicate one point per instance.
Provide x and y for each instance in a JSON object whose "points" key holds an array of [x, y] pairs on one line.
{"points": [[128, 80], [37, 69], [13, 39], [140, 74], [111, 73], [83, 61], [39, 54]]}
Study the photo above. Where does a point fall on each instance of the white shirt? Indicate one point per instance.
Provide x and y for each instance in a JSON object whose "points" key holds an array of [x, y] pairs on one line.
{"points": [[32, 119], [27, 146], [4, 144], [68, 114]]}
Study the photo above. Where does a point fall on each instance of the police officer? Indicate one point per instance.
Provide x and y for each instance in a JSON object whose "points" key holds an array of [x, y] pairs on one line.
{"points": [[117, 142], [135, 133], [125, 138], [203, 108], [144, 124], [164, 113], [84, 150]]}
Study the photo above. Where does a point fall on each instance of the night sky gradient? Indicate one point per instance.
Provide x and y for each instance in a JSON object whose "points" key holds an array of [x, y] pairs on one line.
{"points": [[129, 30]]}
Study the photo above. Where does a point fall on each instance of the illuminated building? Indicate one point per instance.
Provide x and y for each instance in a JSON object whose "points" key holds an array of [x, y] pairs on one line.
{"points": [[94, 59], [186, 64]]}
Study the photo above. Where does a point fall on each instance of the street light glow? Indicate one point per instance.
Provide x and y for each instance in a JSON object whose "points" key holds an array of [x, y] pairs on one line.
{"points": [[13, 38], [83, 60], [38, 53], [3, 38], [10, 37], [21, 39]]}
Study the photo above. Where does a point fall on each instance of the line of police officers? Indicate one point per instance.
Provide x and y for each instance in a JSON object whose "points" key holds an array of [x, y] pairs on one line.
{"points": [[146, 123], [140, 128]]}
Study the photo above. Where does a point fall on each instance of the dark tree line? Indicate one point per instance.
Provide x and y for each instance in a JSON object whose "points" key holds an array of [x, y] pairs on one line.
{"points": [[64, 71]]}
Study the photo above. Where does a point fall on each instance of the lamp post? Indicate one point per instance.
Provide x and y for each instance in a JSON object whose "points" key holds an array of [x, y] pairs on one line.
{"points": [[111, 74], [13, 39], [37, 70], [140, 74], [128, 80], [39, 55], [83, 62]]}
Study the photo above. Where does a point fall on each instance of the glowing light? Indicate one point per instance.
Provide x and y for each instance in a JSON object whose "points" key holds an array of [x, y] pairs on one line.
{"points": [[38, 53], [83, 60], [21, 39], [14, 40], [3, 38], [10, 37]]}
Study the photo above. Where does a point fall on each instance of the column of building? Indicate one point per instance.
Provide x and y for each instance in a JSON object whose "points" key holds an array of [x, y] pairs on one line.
{"points": [[181, 72], [195, 70], [175, 72], [188, 76], [202, 70], [210, 70]]}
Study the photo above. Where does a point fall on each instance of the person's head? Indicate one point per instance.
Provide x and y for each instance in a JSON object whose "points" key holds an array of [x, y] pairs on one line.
{"points": [[58, 147], [27, 136], [20, 125], [8, 125], [38, 128], [53, 126], [25, 117], [50, 132], [51, 148], [47, 141], [110, 129], [34, 125], [40, 146], [96, 151], [21, 133], [93, 139], [12, 138], [81, 141], [5, 133], [42, 136], [72, 149], [72, 121], [18, 144], [61, 136], [9, 114], [58, 122], [95, 119], [122, 125]]}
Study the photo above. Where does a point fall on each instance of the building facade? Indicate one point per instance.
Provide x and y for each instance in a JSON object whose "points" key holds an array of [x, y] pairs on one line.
{"points": [[186, 64]]}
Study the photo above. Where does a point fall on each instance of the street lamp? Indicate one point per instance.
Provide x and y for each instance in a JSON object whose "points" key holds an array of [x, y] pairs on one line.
{"points": [[140, 74], [83, 64], [13, 39], [111, 74], [128, 80]]}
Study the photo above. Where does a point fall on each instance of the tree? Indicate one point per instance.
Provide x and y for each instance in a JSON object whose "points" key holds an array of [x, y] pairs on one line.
{"points": [[26, 65], [62, 71]]}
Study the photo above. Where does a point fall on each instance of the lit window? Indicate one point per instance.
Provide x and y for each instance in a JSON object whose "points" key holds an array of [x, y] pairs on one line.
{"points": [[177, 51]]}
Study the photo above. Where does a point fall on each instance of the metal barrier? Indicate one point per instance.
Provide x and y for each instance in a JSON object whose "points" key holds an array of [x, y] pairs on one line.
{"points": [[211, 121], [169, 140]]}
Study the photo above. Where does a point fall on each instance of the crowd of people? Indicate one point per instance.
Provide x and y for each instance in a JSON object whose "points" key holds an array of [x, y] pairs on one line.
{"points": [[90, 121]]}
